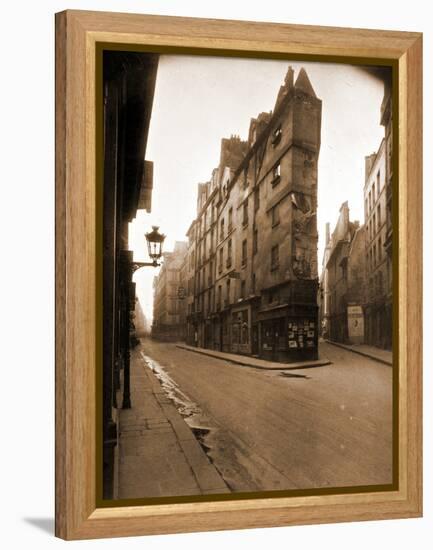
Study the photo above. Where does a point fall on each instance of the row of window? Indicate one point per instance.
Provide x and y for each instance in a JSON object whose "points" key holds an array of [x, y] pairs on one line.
{"points": [[374, 225], [244, 254], [375, 254], [208, 218], [275, 259], [276, 173], [373, 195], [201, 280], [201, 256], [376, 283]]}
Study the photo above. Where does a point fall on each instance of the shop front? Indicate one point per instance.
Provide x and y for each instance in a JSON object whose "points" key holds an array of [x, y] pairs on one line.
{"points": [[240, 331], [288, 333]]}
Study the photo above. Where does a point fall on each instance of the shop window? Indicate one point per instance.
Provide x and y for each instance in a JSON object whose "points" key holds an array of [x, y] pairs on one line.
{"points": [[243, 319]]}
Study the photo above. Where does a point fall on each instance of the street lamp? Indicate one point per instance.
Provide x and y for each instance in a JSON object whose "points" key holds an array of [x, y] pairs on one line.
{"points": [[155, 240]]}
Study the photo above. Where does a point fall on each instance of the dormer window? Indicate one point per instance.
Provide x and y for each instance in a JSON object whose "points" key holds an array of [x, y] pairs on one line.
{"points": [[276, 135]]}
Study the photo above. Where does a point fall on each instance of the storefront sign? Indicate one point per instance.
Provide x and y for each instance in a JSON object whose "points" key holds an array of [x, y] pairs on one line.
{"points": [[355, 324]]}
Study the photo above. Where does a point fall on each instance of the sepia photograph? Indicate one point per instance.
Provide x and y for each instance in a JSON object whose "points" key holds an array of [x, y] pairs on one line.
{"points": [[247, 277]]}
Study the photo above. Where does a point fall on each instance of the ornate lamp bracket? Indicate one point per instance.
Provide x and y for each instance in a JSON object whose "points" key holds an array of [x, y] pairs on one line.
{"points": [[139, 265]]}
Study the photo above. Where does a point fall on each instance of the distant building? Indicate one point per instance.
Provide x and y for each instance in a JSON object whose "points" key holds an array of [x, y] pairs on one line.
{"points": [[378, 223], [169, 296], [140, 321], [253, 245], [323, 297], [343, 281]]}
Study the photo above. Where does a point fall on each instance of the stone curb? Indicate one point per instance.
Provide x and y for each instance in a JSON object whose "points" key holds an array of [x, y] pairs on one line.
{"points": [[243, 360], [359, 352], [208, 478]]}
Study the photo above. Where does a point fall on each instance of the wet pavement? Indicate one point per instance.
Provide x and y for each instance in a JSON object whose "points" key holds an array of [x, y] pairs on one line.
{"points": [[159, 455]]}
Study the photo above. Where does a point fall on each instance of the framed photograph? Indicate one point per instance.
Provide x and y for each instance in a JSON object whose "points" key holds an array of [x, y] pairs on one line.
{"points": [[238, 274]]}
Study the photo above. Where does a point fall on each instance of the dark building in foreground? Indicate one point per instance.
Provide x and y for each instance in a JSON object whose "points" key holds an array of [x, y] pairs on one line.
{"points": [[252, 252], [129, 82]]}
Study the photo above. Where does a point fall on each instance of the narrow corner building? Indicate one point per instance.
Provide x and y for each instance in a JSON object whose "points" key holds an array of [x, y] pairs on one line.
{"points": [[252, 253]]}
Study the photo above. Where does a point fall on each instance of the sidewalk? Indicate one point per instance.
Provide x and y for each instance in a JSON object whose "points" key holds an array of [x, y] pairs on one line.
{"points": [[158, 453], [249, 361], [378, 354]]}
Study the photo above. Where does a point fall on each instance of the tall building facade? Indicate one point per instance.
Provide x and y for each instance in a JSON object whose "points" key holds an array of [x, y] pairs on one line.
{"points": [[169, 297], [324, 297], [378, 223], [253, 245], [343, 282]]}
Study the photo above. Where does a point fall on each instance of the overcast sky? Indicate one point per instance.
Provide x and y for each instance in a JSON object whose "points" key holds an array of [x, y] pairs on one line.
{"points": [[199, 100]]}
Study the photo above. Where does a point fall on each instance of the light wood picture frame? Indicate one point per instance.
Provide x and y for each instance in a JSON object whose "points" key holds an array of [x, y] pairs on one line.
{"points": [[79, 34]]}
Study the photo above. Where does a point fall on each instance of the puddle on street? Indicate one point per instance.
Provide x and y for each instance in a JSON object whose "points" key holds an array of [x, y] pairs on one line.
{"points": [[188, 409], [182, 402], [239, 466]]}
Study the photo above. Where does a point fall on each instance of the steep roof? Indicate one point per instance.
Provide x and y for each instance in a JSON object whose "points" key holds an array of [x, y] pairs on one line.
{"points": [[303, 83]]}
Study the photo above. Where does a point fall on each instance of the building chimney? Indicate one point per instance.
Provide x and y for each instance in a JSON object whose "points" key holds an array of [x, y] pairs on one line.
{"points": [[344, 212], [288, 81], [369, 161], [328, 233]]}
